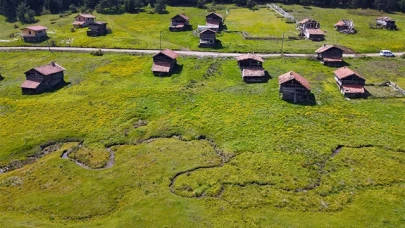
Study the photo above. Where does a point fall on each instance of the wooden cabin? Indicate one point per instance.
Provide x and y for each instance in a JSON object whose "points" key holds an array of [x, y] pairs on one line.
{"points": [[83, 20], [330, 55], [207, 38], [294, 87], [164, 62], [35, 33], [310, 29], [345, 26], [214, 21], [386, 22], [97, 28], [350, 83], [251, 67], [43, 78], [180, 22]]}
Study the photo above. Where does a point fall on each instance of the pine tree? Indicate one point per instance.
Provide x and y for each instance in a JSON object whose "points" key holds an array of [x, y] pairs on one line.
{"points": [[160, 6], [25, 14]]}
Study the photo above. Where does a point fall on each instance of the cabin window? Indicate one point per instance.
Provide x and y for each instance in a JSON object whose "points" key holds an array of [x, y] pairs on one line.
{"points": [[29, 32]]}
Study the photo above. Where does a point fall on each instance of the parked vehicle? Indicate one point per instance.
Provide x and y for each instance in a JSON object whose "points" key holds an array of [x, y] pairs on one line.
{"points": [[386, 53]]}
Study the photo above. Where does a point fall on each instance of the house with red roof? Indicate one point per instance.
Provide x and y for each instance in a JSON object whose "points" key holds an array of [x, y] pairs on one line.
{"points": [[43, 78], [294, 87], [310, 29], [164, 62], [36, 33], [350, 83], [180, 22], [251, 68], [83, 20], [207, 38], [346, 26], [330, 55]]}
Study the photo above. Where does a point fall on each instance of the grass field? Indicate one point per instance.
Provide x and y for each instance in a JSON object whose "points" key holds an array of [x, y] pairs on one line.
{"points": [[142, 31], [262, 161]]}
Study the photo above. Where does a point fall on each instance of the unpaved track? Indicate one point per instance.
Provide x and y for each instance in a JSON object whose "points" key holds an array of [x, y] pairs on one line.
{"points": [[183, 53]]}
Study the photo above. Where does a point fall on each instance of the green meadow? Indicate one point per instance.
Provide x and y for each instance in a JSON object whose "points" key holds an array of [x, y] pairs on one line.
{"points": [[200, 148], [143, 30]]}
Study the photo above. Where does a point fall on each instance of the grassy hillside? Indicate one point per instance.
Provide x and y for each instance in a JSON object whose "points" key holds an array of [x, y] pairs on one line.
{"points": [[240, 156], [142, 30]]}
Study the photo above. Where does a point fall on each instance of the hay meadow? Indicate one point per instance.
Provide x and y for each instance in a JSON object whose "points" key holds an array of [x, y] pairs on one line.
{"points": [[200, 148]]}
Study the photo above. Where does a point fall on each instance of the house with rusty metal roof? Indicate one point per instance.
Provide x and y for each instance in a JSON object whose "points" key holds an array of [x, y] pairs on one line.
{"points": [[293, 87], [164, 62], [350, 83], [310, 29], [179, 22], [330, 55], [251, 68], [386, 22], [83, 20], [42, 78], [36, 33]]}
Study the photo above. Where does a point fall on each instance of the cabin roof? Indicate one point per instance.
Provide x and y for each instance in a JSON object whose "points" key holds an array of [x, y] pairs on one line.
{"points": [[345, 72], [315, 32], [353, 89], [249, 56], [36, 28], [292, 75], [253, 72], [169, 53], [28, 84], [385, 19], [182, 16], [326, 47], [340, 23], [306, 20], [207, 30], [85, 15], [161, 67], [48, 69], [213, 13]]}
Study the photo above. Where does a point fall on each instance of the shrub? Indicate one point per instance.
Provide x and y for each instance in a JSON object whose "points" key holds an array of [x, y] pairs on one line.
{"points": [[403, 56], [73, 29], [16, 26], [52, 43], [97, 53], [11, 35]]}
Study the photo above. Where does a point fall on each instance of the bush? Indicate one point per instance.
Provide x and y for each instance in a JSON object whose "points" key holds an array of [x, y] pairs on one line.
{"points": [[73, 29], [403, 56], [97, 53], [11, 35]]}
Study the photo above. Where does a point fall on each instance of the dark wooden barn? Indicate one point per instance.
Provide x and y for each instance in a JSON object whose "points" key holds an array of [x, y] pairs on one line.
{"points": [[251, 67], [294, 87], [214, 21], [207, 38], [350, 83], [179, 22], [43, 78], [330, 55], [97, 28], [164, 62]]}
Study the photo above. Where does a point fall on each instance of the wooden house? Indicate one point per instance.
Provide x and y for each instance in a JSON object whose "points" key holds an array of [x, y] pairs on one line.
{"points": [[251, 67], [164, 62], [35, 33], [214, 21], [350, 83], [330, 55], [345, 26], [310, 29], [43, 78], [207, 38], [83, 20], [294, 87], [386, 22], [180, 22], [97, 28]]}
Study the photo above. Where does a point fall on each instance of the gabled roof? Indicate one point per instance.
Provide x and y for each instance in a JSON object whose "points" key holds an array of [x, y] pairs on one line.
{"points": [[249, 56], [85, 15], [291, 76], [306, 20], [315, 31], [48, 69], [385, 19], [213, 13], [253, 72], [36, 28], [207, 30], [353, 89], [28, 84], [182, 16], [169, 53], [326, 47], [345, 72], [340, 23], [162, 67]]}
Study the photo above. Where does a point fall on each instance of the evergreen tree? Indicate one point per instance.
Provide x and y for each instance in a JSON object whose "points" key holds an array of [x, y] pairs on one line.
{"points": [[25, 14], [55, 6], [160, 6], [8, 10], [132, 6]]}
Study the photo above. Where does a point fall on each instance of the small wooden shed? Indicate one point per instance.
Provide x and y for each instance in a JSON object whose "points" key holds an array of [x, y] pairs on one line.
{"points": [[164, 62], [294, 87], [179, 22], [43, 78], [386, 22], [35, 33], [207, 38], [251, 67], [97, 28], [330, 55], [214, 21], [350, 83]]}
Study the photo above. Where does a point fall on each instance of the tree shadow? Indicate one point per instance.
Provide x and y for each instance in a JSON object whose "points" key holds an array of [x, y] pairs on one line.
{"points": [[309, 101], [177, 69], [50, 90], [218, 44]]}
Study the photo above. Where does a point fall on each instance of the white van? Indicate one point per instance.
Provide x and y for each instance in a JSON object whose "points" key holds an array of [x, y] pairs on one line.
{"points": [[386, 53]]}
